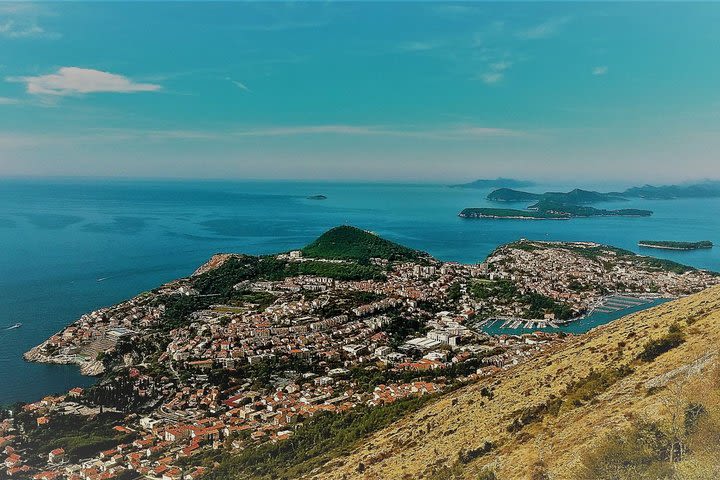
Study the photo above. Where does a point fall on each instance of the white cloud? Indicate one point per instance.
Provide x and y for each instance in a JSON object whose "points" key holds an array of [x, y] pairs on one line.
{"points": [[8, 101], [419, 46], [77, 81], [240, 85], [492, 77], [496, 72], [544, 30], [13, 29], [20, 20], [600, 70], [501, 66]]}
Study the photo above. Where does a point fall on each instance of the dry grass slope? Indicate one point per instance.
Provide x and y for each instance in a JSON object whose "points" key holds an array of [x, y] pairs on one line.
{"points": [[533, 434]]}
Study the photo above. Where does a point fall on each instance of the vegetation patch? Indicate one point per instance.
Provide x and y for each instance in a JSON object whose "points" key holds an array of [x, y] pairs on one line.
{"points": [[316, 442], [656, 347], [351, 243]]}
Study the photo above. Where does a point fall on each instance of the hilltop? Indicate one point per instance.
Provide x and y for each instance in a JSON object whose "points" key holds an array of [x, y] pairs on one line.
{"points": [[557, 415], [350, 243]]}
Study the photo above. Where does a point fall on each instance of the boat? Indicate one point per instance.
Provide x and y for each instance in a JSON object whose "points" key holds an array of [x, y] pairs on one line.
{"points": [[13, 327]]}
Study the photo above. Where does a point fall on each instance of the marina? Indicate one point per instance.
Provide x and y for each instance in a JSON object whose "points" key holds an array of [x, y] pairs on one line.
{"points": [[606, 310]]}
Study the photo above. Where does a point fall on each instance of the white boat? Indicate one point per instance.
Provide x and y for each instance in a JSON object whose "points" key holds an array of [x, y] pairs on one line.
{"points": [[12, 327]]}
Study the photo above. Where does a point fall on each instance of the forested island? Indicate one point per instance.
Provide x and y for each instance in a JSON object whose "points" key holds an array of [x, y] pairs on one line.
{"points": [[667, 245], [510, 213], [550, 210], [576, 196], [708, 189]]}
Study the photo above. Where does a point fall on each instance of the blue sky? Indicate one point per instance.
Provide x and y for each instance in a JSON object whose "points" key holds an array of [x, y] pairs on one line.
{"points": [[380, 91]]}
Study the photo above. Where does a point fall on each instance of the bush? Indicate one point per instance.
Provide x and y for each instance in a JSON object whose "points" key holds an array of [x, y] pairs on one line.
{"points": [[640, 453], [656, 347], [487, 474]]}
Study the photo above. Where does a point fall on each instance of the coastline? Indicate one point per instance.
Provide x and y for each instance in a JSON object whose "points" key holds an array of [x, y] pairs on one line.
{"points": [[90, 368], [665, 247], [517, 217]]}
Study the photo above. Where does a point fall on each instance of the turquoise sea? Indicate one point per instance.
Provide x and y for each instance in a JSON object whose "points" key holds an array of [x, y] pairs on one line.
{"points": [[68, 246]]}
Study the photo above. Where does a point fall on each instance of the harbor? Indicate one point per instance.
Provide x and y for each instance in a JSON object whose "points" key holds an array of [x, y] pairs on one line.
{"points": [[604, 311]]}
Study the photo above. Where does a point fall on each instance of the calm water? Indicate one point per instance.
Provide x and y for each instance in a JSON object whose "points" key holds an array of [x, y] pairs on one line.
{"points": [[70, 246], [579, 326]]}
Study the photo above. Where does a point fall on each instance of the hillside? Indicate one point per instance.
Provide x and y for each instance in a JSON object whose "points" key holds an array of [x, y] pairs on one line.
{"points": [[543, 417], [511, 195], [351, 243]]}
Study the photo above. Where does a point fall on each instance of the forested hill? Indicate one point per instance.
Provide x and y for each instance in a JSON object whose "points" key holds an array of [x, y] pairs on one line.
{"points": [[350, 243]]}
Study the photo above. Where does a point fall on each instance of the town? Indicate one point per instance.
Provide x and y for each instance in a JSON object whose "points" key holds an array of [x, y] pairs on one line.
{"points": [[248, 349]]}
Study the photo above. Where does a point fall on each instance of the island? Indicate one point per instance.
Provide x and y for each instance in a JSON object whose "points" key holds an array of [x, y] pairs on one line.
{"points": [[707, 189], [671, 245], [576, 196], [553, 205], [573, 210], [497, 182], [509, 214], [317, 197], [512, 195], [551, 210]]}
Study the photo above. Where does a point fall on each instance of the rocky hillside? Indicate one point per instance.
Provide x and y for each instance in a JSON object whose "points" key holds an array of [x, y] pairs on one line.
{"points": [[541, 418]]}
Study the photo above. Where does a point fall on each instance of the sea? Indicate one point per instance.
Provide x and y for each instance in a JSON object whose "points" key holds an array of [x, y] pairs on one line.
{"points": [[72, 245]]}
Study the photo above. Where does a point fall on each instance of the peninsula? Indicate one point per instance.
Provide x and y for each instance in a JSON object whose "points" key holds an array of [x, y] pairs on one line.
{"points": [[669, 245], [276, 366]]}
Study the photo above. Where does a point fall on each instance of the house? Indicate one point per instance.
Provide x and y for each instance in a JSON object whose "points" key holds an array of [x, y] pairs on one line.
{"points": [[56, 456]]}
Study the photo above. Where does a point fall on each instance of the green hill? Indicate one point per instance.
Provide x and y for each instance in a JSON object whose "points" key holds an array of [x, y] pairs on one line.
{"points": [[351, 243], [511, 195]]}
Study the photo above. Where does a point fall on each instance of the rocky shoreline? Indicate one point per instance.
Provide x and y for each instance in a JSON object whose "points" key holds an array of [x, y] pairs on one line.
{"points": [[87, 367]]}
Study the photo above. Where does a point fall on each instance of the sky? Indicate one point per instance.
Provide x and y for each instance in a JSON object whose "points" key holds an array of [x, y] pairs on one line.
{"points": [[432, 91]]}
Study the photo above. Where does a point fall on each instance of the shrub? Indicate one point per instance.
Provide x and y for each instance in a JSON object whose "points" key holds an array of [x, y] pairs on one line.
{"points": [[487, 474], [656, 347]]}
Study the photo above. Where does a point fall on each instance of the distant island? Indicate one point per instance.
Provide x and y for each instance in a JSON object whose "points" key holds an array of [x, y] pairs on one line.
{"points": [[666, 245], [707, 189], [497, 182], [549, 210], [511, 195], [510, 213], [576, 196], [574, 210], [317, 197]]}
